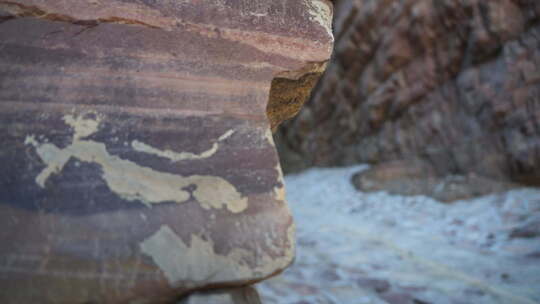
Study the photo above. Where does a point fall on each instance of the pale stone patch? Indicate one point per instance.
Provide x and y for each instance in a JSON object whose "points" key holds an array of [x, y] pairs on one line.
{"points": [[131, 181], [178, 156], [81, 126], [279, 191], [198, 262], [321, 12]]}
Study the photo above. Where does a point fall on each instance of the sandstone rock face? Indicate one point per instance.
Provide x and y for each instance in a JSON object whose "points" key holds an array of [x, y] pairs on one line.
{"points": [[455, 83], [137, 159]]}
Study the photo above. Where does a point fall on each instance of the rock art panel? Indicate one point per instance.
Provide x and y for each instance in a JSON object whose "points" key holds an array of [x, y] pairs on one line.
{"points": [[138, 160], [133, 182]]}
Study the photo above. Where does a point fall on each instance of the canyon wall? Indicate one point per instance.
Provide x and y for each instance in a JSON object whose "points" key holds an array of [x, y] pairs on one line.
{"points": [[455, 84]]}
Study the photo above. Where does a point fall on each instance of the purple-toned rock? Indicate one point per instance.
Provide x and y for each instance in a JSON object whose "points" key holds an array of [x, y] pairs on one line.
{"points": [[138, 162]]}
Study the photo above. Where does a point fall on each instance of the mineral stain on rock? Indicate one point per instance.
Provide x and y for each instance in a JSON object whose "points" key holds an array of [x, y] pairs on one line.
{"points": [[199, 262], [175, 156], [196, 261], [131, 181]]}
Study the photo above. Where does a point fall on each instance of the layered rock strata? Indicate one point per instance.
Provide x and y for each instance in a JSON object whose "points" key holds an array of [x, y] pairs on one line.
{"points": [[138, 162]]}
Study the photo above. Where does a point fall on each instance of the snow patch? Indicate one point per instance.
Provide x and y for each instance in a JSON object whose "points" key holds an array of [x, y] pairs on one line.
{"points": [[356, 247]]}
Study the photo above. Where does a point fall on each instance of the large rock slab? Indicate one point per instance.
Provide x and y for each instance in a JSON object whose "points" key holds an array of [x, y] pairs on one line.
{"points": [[455, 83], [137, 159], [414, 177]]}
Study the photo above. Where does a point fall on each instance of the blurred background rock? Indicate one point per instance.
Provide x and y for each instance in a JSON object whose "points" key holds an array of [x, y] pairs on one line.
{"points": [[451, 85], [441, 98]]}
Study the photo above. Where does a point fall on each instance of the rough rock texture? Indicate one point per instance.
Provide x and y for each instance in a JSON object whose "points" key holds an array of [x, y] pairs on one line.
{"points": [[289, 91], [455, 83], [137, 159]]}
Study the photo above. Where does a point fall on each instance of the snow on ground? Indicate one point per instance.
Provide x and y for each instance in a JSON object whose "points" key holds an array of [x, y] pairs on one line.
{"points": [[355, 247]]}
